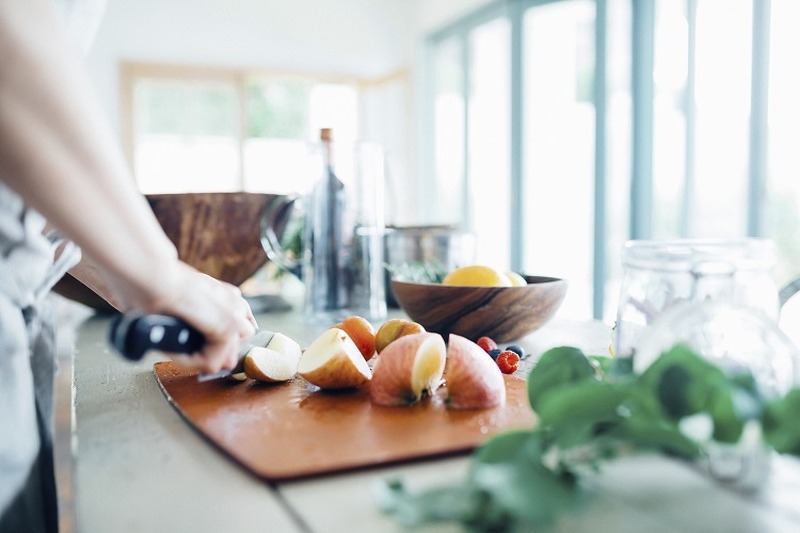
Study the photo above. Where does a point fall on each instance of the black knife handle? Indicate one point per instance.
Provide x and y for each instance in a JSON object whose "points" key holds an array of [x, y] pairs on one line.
{"points": [[132, 335]]}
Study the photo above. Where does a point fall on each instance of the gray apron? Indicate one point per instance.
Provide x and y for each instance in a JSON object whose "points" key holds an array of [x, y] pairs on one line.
{"points": [[27, 366]]}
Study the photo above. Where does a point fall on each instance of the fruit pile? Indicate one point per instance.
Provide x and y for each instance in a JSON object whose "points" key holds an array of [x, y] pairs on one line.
{"points": [[411, 364], [507, 359], [483, 276]]}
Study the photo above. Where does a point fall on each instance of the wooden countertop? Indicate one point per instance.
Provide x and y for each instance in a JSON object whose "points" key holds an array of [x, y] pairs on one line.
{"points": [[138, 466]]}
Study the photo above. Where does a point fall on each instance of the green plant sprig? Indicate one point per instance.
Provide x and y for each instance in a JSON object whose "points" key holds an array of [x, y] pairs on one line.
{"points": [[591, 410], [431, 271]]}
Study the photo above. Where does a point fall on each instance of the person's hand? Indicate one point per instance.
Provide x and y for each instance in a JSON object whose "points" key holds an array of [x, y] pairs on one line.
{"points": [[214, 308], [219, 311]]}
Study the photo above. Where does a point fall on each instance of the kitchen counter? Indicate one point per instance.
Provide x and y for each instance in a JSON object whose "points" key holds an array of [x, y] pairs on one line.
{"points": [[138, 466]]}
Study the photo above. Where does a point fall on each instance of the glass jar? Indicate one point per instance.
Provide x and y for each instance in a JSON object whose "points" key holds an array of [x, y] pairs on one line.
{"points": [[719, 299], [662, 274]]}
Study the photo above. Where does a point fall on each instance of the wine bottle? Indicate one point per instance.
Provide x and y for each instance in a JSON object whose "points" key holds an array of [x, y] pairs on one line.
{"points": [[329, 205]]}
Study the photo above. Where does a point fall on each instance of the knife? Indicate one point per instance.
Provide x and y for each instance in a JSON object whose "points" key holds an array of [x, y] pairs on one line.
{"points": [[134, 334]]}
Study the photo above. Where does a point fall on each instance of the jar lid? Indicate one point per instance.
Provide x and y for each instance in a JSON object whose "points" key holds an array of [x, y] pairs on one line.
{"points": [[687, 254]]}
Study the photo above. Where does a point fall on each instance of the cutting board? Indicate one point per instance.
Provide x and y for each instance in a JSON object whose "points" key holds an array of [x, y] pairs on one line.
{"points": [[295, 430]]}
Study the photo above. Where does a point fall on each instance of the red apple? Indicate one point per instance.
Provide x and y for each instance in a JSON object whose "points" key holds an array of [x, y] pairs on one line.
{"points": [[333, 361], [473, 380], [407, 369], [394, 329], [362, 333], [277, 361]]}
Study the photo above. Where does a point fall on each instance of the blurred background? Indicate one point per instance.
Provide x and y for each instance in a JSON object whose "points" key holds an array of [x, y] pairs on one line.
{"points": [[552, 130]]}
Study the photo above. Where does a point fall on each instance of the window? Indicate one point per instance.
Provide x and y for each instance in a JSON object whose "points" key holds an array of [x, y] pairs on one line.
{"points": [[619, 119], [558, 146], [227, 130]]}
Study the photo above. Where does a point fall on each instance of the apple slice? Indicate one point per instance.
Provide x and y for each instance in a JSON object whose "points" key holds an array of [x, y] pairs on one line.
{"points": [[473, 380], [393, 329], [277, 361], [362, 332], [407, 369], [333, 361]]}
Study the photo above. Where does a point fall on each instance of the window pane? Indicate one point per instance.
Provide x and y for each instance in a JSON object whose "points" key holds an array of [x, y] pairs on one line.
{"points": [[723, 106], [277, 108], [185, 136], [283, 116], [670, 68], [559, 147], [444, 206], [783, 188], [489, 142]]}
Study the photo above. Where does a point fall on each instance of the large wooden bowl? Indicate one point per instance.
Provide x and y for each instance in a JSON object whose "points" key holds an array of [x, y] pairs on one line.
{"points": [[218, 233], [502, 313]]}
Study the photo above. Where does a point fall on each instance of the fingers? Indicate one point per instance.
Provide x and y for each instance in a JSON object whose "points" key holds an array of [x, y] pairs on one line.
{"points": [[221, 314]]}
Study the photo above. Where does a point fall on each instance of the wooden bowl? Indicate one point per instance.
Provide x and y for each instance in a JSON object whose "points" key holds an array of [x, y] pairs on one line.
{"points": [[218, 233], [502, 313]]}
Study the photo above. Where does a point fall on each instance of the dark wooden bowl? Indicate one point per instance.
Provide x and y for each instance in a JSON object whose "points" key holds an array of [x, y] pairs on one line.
{"points": [[218, 233], [502, 313]]}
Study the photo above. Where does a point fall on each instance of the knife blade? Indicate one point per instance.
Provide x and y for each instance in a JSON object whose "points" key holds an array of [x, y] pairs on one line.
{"points": [[134, 334]]}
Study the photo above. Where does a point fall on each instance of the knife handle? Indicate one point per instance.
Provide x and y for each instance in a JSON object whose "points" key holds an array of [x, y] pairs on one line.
{"points": [[132, 335]]}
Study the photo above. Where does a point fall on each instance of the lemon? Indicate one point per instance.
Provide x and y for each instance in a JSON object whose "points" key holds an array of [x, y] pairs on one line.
{"points": [[477, 276], [516, 279]]}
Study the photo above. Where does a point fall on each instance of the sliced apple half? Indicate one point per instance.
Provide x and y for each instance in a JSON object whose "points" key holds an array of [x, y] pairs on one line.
{"points": [[407, 369], [333, 361], [473, 380], [277, 361]]}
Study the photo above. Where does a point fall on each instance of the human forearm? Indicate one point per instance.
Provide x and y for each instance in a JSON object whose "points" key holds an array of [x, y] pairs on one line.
{"points": [[59, 155]]}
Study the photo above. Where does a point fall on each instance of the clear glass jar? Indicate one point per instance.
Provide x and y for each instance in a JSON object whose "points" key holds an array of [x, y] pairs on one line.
{"points": [[661, 274], [719, 299]]}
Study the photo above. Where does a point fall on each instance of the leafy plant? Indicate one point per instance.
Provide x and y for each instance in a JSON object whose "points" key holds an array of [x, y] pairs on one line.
{"points": [[432, 271], [591, 410]]}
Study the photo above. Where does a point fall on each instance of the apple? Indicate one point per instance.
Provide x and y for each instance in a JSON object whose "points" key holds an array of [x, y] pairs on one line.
{"points": [[408, 369], [333, 361], [277, 361], [362, 333], [394, 329], [472, 378]]}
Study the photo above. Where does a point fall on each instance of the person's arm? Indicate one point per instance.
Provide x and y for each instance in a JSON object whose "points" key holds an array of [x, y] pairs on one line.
{"points": [[58, 153]]}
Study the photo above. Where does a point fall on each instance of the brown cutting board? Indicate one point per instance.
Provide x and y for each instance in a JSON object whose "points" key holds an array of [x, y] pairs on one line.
{"points": [[294, 430]]}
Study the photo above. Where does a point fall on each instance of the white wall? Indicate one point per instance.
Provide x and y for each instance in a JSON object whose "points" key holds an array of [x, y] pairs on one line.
{"points": [[365, 38], [433, 14]]}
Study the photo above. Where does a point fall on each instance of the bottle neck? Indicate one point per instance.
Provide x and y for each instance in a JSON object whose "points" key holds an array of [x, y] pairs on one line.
{"points": [[326, 138]]}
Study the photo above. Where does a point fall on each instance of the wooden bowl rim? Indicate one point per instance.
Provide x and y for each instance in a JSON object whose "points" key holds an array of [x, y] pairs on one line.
{"points": [[533, 281]]}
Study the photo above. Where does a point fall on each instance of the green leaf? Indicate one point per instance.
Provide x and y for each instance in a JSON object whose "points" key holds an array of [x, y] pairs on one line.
{"points": [[686, 384], [781, 425], [557, 367], [654, 433], [584, 403], [456, 503], [510, 471], [519, 444], [682, 381]]}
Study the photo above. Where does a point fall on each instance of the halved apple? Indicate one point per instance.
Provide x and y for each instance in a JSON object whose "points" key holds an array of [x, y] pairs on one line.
{"points": [[277, 361], [393, 329], [472, 379], [333, 361], [407, 369], [362, 332]]}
